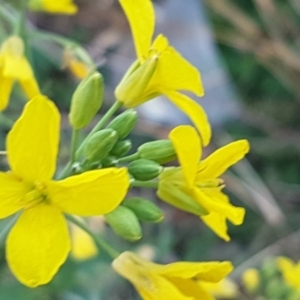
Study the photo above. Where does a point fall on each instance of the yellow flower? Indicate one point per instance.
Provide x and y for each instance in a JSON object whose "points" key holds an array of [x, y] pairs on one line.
{"points": [[290, 271], [159, 69], [58, 6], [78, 61], [83, 246], [175, 281], [14, 66], [224, 289], [195, 186], [251, 279], [39, 242]]}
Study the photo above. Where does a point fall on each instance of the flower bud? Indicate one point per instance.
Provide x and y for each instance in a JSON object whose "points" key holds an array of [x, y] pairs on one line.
{"points": [[124, 123], [124, 223], [109, 161], [131, 91], [144, 209], [161, 151], [86, 100], [144, 169], [176, 196], [121, 148], [100, 144]]}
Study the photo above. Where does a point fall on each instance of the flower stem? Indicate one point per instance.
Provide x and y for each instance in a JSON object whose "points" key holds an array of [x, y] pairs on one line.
{"points": [[74, 142], [147, 184], [101, 243], [5, 231], [7, 16], [129, 158], [66, 171]]}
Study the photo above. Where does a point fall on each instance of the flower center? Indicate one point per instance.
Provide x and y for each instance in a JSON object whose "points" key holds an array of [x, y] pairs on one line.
{"points": [[36, 195]]}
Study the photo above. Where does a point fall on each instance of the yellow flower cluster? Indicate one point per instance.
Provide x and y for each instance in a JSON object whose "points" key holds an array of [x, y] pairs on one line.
{"points": [[290, 271], [39, 242]]}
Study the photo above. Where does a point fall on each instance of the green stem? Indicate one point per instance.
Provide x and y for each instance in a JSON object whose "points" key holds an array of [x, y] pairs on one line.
{"points": [[129, 158], [5, 121], [147, 184], [7, 228], [101, 243], [61, 40], [7, 16], [74, 142], [66, 171]]}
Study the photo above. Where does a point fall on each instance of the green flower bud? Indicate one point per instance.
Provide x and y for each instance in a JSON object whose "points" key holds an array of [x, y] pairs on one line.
{"points": [[176, 196], [144, 169], [109, 161], [124, 223], [121, 148], [161, 151], [132, 91], [124, 123], [100, 144], [144, 209], [86, 100]]}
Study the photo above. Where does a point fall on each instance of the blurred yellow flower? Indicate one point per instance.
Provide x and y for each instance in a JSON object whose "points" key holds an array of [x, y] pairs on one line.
{"points": [[175, 281], [195, 186], [83, 246], [39, 242], [54, 6], [224, 289], [14, 66], [251, 279], [78, 61], [290, 271], [159, 69]]}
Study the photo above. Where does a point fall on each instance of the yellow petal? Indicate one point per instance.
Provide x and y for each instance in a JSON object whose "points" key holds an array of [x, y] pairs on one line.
{"points": [[91, 193], [14, 63], [18, 68], [140, 15], [206, 271], [192, 288], [142, 274], [38, 245], [83, 246], [5, 91], [30, 87], [173, 71], [179, 197], [194, 111], [187, 145], [32, 143], [226, 289], [214, 200], [217, 223], [285, 264], [12, 191], [153, 287], [290, 271], [218, 162], [61, 6]]}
